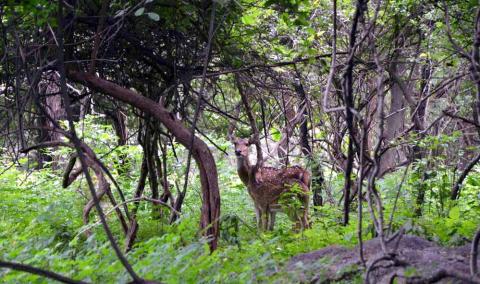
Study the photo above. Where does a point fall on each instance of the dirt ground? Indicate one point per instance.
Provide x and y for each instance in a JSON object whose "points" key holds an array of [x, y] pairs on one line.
{"points": [[411, 259]]}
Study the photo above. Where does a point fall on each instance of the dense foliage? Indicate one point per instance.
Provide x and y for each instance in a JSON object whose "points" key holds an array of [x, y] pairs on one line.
{"points": [[117, 121], [41, 225]]}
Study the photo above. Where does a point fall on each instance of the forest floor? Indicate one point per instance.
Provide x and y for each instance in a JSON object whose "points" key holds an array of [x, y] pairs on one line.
{"points": [[411, 258], [41, 225]]}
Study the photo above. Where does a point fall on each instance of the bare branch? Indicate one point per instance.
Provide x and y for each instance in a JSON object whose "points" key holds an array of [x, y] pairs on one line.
{"points": [[39, 271]]}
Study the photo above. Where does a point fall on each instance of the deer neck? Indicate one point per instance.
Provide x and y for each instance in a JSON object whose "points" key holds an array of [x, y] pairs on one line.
{"points": [[243, 169]]}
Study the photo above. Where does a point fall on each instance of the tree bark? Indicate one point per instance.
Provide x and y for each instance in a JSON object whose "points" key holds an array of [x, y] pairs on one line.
{"points": [[318, 180], [395, 120], [52, 101], [201, 153], [287, 131]]}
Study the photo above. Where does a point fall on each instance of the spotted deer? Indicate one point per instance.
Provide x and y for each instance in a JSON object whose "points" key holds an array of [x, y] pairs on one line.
{"points": [[266, 185]]}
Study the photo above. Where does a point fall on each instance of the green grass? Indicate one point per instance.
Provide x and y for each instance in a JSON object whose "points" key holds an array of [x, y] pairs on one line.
{"points": [[40, 225]]}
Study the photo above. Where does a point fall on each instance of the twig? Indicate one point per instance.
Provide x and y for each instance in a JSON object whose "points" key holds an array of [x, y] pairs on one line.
{"points": [[144, 198], [389, 228], [273, 65], [461, 178], [201, 94], [464, 119], [359, 190], [80, 154], [349, 105], [136, 199], [39, 271], [255, 139], [326, 108]]}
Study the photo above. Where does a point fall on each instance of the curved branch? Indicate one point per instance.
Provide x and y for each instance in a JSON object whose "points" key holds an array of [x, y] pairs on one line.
{"points": [[474, 254], [68, 175], [78, 146], [39, 271], [47, 145], [463, 176], [200, 151], [255, 139]]}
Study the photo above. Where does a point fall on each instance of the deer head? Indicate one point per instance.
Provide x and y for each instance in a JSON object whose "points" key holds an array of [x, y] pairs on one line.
{"points": [[241, 146], [265, 185], [243, 163]]}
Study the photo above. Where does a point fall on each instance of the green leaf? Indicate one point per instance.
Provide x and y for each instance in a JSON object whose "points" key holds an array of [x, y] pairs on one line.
{"points": [[140, 11], [154, 16], [454, 213], [423, 55], [311, 31], [248, 20], [276, 134]]}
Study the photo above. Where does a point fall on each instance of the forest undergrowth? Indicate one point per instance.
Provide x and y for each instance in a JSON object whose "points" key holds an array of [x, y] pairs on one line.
{"points": [[41, 224]]}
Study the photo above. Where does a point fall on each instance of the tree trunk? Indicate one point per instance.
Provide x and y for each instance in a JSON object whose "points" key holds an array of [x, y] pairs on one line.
{"points": [[201, 153], [318, 180], [49, 88], [394, 121], [287, 131], [120, 126]]}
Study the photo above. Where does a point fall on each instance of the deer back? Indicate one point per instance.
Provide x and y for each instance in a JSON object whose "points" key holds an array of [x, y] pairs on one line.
{"points": [[273, 175], [269, 183]]}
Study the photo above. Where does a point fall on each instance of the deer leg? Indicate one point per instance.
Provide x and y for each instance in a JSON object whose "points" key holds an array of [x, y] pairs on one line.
{"points": [[258, 213], [306, 222], [305, 213], [302, 216], [265, 214], [298, 219]]}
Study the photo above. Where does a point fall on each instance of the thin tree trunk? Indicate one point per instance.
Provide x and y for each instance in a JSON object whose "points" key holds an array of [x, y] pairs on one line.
{"points": [[210, 211], [318, 180], [395, 120]]}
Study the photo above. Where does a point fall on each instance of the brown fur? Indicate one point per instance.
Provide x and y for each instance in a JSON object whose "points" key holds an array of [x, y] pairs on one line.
{"points": [[266, 185]]}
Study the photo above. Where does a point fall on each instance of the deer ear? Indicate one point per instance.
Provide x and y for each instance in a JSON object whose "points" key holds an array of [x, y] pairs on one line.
{"points": [[251, 140]]}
